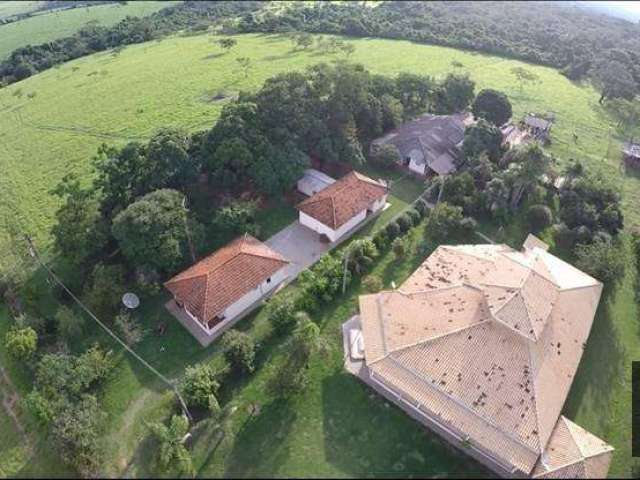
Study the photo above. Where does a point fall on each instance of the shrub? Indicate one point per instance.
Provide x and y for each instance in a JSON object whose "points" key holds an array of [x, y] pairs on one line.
{"points": [[393, 230], [414, 215], [21, 343], [239, 350], [399, 247], [325, 279], [372, 283], [280, 312], [385, 156], [360, 255], [443, 222], [421, 207], [380, 239], [130, 330], [539, 217], [564, 236], [199, 384], [404, 222], [468, 225], [602, 260], [104, 290], [68, 323]]}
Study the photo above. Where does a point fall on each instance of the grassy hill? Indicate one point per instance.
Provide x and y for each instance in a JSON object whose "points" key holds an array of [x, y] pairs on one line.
{"points": [[52, 123], [57, 24], [12, 7]]}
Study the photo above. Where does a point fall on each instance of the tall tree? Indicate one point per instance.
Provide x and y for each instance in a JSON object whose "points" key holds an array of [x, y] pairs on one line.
{"points": [[168, 156], [613, 80], [482, 138], [172, 451], [454, 94], [152, 232], [493, 106]]}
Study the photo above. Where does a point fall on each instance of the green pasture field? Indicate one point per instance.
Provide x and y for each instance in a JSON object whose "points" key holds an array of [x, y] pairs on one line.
{"points": [[49, 26], [11, 7]]}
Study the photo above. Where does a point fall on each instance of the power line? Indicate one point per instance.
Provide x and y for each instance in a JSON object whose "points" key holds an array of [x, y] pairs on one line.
{"points": [[34, 253]]}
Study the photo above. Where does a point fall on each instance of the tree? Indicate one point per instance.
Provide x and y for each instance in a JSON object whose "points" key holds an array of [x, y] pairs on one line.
{"points": [[172, 451], [414, 92], [613, 80], [524, 76], [103, 291], [77, 433], [69, 324], [385, 156], [239, 350], [360, 255], [152, 232], [306, 341], [21, 343], [279, 169], [244, 63], [399, 247], [79, 232], [230, 161], [227, 43], [443, 223], [199, 385], [540, 217], [167, 152], [237, 217], [493, 106], [601, 259], [454, 94], [483, 137], [527, 165], [281, 313]]}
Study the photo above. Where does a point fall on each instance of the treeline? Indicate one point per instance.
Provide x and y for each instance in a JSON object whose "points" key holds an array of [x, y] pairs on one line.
{"points": [[26, 61], [579, 42], [56, 5]]}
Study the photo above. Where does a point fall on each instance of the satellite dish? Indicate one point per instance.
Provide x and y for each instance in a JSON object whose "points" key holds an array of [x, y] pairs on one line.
{"points": [[130, 300]]}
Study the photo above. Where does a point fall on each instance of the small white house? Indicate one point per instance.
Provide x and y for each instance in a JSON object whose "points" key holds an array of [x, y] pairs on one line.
{"points": [[314, 181], [341, 206], [214, 292]]}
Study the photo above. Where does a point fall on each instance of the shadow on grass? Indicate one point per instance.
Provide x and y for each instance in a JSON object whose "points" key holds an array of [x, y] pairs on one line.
{"points": [[602, 362], [258, 447], [213, 56], [366, 436]]}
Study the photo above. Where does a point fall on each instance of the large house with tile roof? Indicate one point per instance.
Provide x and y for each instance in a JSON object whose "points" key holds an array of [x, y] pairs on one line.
{"points": [[481, 344], [210, 295], [341, 206]]}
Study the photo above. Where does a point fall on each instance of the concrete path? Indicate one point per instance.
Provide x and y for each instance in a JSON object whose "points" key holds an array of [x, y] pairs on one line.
{"points": [[300, 245]]}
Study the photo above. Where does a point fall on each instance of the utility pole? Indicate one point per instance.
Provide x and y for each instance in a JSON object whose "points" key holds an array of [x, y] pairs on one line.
{"points": [[34, 253], [443, 179]]}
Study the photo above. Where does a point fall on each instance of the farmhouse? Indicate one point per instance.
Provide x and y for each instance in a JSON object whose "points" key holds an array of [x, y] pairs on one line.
{"points": [[631, 154], [481, 345], [340, 207], [211, 295], [313, 181], [430, 143]]}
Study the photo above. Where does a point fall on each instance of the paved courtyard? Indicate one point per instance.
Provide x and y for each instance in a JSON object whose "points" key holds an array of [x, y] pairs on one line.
{"points": [[300, 245]]}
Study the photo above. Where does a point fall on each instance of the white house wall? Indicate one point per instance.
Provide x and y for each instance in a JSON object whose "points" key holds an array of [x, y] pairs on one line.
{"points": [[333, 235], [417, 167]]}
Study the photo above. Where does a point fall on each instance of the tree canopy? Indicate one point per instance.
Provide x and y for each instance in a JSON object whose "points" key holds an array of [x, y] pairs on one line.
{"points": [[493, 106]]}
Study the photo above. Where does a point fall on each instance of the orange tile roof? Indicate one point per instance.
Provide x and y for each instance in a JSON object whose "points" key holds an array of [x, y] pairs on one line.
{"points": [[487, 338], [342, 200], [217, 281]]}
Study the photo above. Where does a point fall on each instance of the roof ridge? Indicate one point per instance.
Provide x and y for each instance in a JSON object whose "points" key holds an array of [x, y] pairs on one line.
{"points": [[436, 337], [570, 427], [541, 447]]}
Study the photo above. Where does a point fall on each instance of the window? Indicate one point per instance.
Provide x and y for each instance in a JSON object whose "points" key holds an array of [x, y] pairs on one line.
{"points": [[269, 280]]}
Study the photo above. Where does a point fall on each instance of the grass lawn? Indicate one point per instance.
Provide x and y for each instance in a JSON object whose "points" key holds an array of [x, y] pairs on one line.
{"points": [[172, 83], [49, 26]]}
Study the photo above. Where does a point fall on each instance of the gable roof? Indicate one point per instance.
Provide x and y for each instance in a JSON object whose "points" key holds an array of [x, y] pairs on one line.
{"points": [[486, 338], [342, 200], [436, 137], [208, 287]]}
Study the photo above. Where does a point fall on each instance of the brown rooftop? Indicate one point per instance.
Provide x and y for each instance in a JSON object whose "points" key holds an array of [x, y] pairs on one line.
{"points": [[342, 200], [487, 339], [208, 287]]}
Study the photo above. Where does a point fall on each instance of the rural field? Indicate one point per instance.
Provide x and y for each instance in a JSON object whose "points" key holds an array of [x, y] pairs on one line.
{"points": [[14, 7], [48, 26], [52, 124]]}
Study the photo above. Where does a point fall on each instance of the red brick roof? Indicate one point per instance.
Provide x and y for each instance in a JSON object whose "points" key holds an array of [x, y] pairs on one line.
{"points": [[341, 201], [217, 281]]}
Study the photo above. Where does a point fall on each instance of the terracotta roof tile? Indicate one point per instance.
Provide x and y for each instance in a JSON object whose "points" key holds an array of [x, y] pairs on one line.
{"points": [[507, 368], [342, 200], [217, 281]]}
